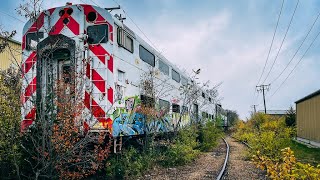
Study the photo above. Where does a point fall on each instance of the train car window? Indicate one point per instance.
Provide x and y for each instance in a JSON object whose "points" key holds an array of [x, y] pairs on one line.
{"points": [[66, 70], [128, 44], [147, 101], [203, 114], [209, 99], [184, 109], [196, 110], [163, 67], [175, 108], [164, 105], [33, 37], [184, 81], [146, 56], [125, 40], [203, 95], [175, 75], [120, 76], [97, 34]]}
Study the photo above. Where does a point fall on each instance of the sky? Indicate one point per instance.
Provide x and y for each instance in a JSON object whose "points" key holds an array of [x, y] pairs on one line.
{"points": [[229, 40]]}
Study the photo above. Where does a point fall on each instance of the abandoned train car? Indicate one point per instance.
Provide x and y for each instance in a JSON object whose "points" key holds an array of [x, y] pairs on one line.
{"points": [[109, 59]]}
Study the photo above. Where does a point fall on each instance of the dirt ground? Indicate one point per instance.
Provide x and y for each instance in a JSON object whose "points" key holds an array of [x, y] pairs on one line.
{"points": [[238, 167]]}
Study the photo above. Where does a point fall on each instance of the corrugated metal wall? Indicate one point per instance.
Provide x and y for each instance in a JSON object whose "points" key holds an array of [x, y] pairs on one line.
{"points": [[308, 119], [8, 58]]}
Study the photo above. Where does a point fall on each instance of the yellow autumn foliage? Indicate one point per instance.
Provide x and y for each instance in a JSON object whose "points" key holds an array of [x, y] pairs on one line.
{"points": [[286, 167]]}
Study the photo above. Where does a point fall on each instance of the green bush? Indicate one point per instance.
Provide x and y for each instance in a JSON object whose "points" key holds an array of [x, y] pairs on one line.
{"points": [[208, 136], [183, 150], [130, 163], [266, 134]]}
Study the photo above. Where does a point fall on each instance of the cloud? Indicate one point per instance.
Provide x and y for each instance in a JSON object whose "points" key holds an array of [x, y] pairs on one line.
{"points": [[229, 41]]}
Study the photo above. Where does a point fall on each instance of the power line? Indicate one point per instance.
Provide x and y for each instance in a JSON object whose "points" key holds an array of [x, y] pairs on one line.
{"points": [[274, 34], [298, 48], [138, 27], [12, 16], [94, 3], [265, 64], [296, 64], [285, 35]]}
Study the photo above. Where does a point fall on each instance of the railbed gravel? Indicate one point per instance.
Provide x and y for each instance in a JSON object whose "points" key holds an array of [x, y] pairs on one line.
{"points": [[238, 166], [209, 164], [206, 166]]}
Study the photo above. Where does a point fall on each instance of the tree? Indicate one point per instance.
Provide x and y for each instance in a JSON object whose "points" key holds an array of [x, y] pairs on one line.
{"points": [[232, 117], [291, 117], [9, 123]]}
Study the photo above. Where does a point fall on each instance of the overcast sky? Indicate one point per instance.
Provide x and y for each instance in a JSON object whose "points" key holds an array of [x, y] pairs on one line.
{"points": [[228, 40]]}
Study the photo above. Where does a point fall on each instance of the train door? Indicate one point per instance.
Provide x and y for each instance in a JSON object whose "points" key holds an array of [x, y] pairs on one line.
{"points": [[65, 75]]}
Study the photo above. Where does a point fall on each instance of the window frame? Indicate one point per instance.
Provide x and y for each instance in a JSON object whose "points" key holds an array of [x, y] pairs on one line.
{"points": [[174, 107], [122, 40], [183, 78], [154, 57], [107, 34], [167, 103], [184, 108], [165, 73], [28, 43], [173, 70]]}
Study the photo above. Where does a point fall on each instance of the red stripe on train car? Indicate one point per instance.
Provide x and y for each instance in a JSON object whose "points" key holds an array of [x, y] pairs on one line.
{"points": [[31, 115], [37, 24], [97, 80], [30, 61], [99, 20], [25, 124], [72, 24], [101, 53], [30, 89], [88, 9], [110, 95], [97, 112]]}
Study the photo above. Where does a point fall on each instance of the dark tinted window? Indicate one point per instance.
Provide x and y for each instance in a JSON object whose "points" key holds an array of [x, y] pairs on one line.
{"points": [[203, 95], [195, 110], [97, 34], [175, 108], [175, 75], [33, 36], [66, 73], [184, 81], [163, 67], [146, 56], [209, 99], [184, 109], [164, 105]]}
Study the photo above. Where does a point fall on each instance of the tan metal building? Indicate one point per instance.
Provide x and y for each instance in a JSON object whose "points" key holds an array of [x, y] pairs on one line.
{"points": [[11, 55], [308, 119]]}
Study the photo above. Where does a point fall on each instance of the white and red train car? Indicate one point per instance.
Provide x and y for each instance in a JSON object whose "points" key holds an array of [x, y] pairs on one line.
{"points": [[109, 57]]}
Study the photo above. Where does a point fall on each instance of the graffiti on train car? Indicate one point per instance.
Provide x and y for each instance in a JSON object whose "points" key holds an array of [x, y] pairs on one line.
{"points": [[128, 121]]}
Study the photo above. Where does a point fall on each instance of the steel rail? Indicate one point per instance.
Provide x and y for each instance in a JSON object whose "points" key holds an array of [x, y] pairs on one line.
{"points": [[225, 162]]}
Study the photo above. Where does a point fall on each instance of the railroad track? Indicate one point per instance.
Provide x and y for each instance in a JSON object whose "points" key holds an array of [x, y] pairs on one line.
{"points": [[224, 167]]}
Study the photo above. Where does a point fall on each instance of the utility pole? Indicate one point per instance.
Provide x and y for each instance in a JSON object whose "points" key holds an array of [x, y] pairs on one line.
{"points": [[262, 88], [254, 108]]}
